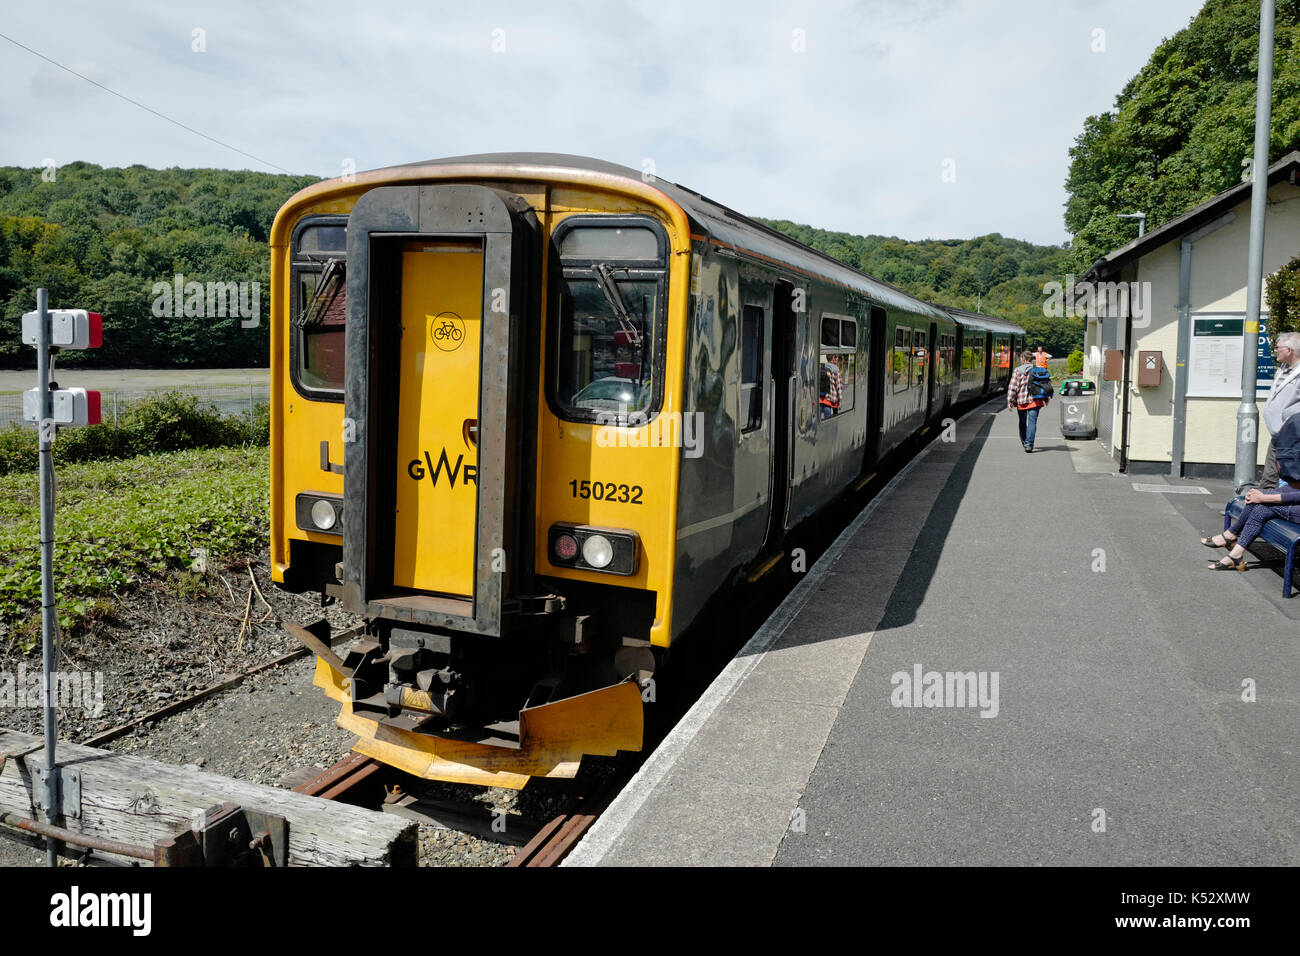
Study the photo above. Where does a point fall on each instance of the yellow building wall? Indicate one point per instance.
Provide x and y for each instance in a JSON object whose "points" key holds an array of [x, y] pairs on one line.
{"points": [[1218, 284]]}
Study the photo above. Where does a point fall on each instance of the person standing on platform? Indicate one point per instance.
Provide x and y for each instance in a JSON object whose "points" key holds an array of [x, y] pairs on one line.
{"points": [[1283, 399], [1030, 390], [1041, 357]]}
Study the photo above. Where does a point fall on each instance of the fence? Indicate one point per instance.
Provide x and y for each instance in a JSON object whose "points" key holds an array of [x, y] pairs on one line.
{"points": [[228, 399]]}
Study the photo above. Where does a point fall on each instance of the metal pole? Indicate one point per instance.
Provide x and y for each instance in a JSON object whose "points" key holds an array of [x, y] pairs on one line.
{"points": [[1248, 413], [48, 623], [250, 410]]}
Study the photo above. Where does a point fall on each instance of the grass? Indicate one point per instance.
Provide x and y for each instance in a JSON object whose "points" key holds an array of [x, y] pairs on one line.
{"points": [[120, 522]]}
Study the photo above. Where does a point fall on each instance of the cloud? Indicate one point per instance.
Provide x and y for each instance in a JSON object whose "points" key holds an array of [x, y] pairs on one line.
{"points": [[837, 114]]}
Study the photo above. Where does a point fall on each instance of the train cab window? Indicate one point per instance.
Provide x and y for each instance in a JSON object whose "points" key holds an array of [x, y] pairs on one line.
{"points": [[611, 290], [837, 372], [751, 368], [318, 308]]}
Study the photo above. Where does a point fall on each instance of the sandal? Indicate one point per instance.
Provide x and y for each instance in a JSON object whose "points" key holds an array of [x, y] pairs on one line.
{"points": [[1231, 565], [1210, 543]]}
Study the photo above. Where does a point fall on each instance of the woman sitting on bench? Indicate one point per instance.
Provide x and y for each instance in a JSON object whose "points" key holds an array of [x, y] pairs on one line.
{"points": [[1283, 502]]}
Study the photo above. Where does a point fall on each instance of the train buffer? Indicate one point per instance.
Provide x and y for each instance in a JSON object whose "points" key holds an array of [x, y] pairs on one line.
{"points": [[1005, 659]]}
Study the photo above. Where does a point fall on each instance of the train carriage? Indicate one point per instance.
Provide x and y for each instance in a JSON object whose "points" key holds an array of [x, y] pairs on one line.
{"points": [[531, 412]]}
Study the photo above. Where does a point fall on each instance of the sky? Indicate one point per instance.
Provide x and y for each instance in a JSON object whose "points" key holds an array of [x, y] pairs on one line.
{"points": [[942, 119]]}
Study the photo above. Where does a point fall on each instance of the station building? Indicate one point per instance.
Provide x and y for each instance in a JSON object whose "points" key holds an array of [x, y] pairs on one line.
{"points": [[1164, 336]]}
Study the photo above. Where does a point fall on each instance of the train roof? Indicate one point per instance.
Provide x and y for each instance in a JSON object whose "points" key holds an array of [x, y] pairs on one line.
{"points": [[978, 320], [725, 225]]}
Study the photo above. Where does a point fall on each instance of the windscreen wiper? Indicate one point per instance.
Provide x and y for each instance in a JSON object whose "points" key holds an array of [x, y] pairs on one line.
{"points": [[332, 279], [605, 279]]}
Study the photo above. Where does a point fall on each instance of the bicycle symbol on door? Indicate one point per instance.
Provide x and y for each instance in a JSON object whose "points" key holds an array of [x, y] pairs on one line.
{"points": [[447, 330]]}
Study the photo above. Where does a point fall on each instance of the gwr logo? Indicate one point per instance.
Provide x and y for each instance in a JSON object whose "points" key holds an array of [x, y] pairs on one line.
{"points": [[467, 471]]}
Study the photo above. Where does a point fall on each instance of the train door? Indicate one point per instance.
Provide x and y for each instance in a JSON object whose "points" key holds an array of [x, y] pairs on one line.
{"points": [[437, 418], [877, 375], [988, 360], [785, 389], [436, 388], [932, 367]]}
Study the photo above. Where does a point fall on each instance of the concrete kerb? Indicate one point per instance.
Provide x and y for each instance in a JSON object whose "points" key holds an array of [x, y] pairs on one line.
{"points": [[603, 835]]}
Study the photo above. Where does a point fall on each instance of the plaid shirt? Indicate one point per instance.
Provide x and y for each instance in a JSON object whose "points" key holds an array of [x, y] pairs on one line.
{"points": [[834, 386], [1018, 390]]}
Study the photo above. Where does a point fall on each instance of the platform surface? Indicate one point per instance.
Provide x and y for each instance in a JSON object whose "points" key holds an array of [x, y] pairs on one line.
{"points": [[1146, 708]]}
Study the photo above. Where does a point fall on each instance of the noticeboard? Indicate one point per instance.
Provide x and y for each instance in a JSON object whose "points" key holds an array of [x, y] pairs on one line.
{"points": [[1214, 359]]}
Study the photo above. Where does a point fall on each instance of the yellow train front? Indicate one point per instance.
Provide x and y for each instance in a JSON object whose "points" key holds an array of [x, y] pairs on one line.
{"points": [[532, 413]]}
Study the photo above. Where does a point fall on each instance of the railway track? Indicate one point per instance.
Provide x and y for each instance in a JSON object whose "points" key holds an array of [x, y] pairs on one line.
{"points": [[554, 841], [365, 781]]}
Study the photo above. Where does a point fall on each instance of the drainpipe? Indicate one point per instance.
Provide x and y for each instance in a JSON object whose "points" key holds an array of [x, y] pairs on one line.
{"points": [[1184, 339], [1124, 412]]}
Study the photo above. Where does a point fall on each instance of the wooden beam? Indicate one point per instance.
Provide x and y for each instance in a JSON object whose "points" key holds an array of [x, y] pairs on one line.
{"points": [[138, 802]]}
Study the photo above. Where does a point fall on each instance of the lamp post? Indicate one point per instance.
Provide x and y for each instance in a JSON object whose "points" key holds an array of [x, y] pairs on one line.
{"points": [[1141, 217], [1248, 412]]}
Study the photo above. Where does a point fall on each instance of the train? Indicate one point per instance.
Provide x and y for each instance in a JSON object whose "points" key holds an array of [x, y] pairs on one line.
{"points": [[531, 413]]}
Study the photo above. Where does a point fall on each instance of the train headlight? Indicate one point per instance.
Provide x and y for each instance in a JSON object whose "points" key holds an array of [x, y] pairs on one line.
{"points": [[322, 515], [597, 551], [587, 548], [319, 512]]}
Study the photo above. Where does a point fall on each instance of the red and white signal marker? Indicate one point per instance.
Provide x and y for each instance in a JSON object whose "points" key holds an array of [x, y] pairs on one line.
{"points": [[69, 329]]}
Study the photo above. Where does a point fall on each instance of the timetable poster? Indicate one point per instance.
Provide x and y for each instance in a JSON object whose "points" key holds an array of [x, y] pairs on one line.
{"points": [[1214, 360]]}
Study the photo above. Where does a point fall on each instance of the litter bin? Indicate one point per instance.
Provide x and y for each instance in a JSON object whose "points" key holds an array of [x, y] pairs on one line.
{"points": [[1078, 408]]}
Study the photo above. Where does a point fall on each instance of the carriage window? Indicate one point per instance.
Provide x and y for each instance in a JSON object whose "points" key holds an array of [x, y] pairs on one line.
{"points": [[611, 287], [900, 372], [751, 369], [836, 376], [319, 309], [849, 333], [830, 332]]}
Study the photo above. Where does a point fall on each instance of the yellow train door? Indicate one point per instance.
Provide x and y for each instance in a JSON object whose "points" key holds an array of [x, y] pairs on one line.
{"points": [[438, 411]]}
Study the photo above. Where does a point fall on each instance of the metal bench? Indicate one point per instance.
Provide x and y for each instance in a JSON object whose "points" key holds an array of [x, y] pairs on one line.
{"points": [[1284, 535]]}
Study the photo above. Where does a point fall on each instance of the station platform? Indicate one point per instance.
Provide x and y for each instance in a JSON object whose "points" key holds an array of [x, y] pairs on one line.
{"points": [[1145, 709]]}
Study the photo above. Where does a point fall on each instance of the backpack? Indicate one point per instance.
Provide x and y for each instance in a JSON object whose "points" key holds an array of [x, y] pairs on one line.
{"points": [[1040, 384]]}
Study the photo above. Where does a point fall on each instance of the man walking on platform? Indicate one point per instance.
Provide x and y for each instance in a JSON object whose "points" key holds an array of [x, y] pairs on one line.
{"points": [[1283, 399], [1030, 390]]}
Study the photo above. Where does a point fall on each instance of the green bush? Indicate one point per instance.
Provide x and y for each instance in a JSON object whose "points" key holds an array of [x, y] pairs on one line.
{"points": [[91, 444], [261, 425], [1282, 297], [1074, 362], [173, 421], [17, 449]]}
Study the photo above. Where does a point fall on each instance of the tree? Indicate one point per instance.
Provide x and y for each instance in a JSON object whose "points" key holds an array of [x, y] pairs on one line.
{"points": [[1182, 127]]}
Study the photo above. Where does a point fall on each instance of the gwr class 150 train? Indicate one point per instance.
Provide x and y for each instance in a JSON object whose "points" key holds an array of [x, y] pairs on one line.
{"points": [[530, 412]]}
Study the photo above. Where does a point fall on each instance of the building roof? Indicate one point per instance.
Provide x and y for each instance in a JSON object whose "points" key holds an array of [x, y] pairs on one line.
{"points": [[1286, 169]]}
